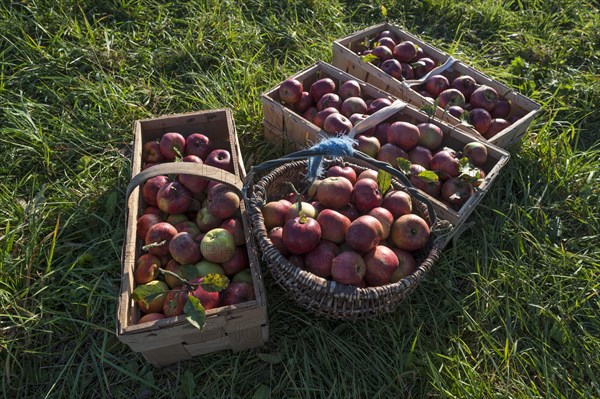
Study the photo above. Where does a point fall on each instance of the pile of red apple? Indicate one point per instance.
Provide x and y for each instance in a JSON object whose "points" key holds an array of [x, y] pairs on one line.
{"points": [[456, 173], [346, 230], [479, 105], [191, 227]]}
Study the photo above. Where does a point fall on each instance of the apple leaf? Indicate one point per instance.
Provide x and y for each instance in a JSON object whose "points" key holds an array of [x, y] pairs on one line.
{"points": [[429, 176], [214, 282], [369, 58], [464, 118], [468, 172], [384, 181], [146, 293], [429, 109], [403, 165], [194, 312]]}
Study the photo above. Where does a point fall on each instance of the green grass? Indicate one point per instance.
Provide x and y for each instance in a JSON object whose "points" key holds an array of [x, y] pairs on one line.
{"points": [[511, 309]]}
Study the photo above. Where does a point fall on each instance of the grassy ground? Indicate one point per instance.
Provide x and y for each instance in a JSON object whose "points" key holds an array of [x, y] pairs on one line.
{"points": [[511, 310]]}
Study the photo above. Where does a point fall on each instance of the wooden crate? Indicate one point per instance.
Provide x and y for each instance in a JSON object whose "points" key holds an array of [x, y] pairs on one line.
{"points": [[234, 327], [285, 127], [345, 57]]}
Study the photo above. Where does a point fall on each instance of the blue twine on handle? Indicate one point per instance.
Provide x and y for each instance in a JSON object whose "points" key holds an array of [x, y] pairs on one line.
{"points": [[335, 146]]}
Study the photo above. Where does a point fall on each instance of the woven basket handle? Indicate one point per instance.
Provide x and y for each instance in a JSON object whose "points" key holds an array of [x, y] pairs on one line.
{"points": [[377, 117], [315, 151], [185, 168], [435, 71]]}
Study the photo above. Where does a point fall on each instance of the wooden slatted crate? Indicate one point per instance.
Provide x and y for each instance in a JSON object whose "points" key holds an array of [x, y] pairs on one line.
{"points": [[282, 125], [345, 57], [233, 327]]}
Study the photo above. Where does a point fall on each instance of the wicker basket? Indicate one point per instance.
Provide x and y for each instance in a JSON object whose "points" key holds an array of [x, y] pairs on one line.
{"points": [[326, 297]]}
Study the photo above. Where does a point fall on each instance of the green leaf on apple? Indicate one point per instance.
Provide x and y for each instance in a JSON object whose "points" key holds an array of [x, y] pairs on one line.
{"points": [[368, 58], [429, 109], [194, 312], [403, 165], [214, 282], [468, 172], [429, 176], [384, 181], [464, 118], [146, 293]]}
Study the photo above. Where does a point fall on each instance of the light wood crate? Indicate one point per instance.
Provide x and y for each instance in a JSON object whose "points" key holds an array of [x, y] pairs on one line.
{"points": [[345, 57], [234, 327]]}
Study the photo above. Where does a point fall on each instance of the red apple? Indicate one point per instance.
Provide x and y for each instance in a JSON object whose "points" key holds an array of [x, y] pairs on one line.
{"points": [[146, 268], [445, 163], [223, 201], [382, 52], [367, 174], [366, 195], [484, 97], [480, 119], [405, 51], [172, 281], [301, 234], [422, 66], [238, 262], [455, 192], [206, 221], [310, 113], [334, 225], [348, 268], [318, 261], [364, 233], [450, 97], [144, 223], [406, 264], [196, 184], [390, 153], [392, 67], [149, 317], [321, 87], [353, 105], [430, 135], [435, 84], [220, 158], [350, 88], [343, 171], [350, 212], [151, 187], [496, 126], [381, 262], [476, 152], [337, 124], [334, 192], [410, 232], [329, 100], [456, 111], [151, 152], [368, 144], [172, 145], [397, 202], [502, 109], [305, 102], [158, 233], [174, 302], [208, 299], [465, 84], [235, 226], [155, 305], [321, 116], [237, 292], [386, 219], [403, 134], [290, 91], [276, 237], [388, 42], [377, 104], [174, 198], [274, 213], [184, 249], [420, 155], [198, 144]]}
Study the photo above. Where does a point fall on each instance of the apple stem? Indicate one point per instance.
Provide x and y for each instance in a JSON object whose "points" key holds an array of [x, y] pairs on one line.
{"points": [[154, 245], [177, 276]]}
